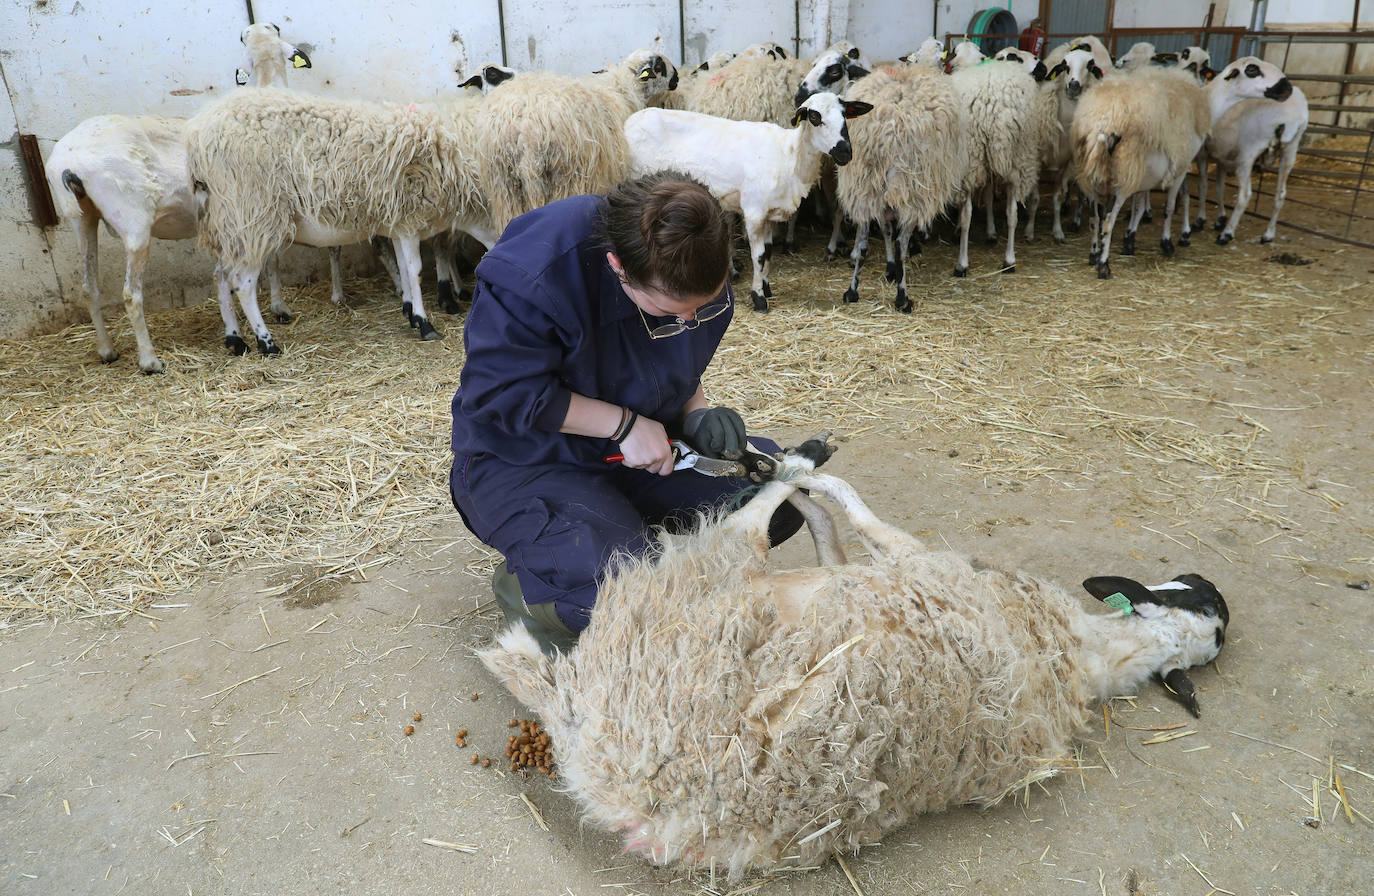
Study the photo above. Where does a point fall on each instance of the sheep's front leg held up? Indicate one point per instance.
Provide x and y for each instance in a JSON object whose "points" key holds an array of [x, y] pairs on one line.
{"points": [[880, 538]]}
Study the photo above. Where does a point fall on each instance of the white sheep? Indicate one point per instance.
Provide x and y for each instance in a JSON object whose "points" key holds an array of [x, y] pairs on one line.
{"points": [[966, 55], [1007, 129], [130, 172], [727, 716], [1140, 54], [1238, 139], [1092, 44], [545, 136], [273, 166], [910, 159], [1074, 72], [931, 53], [1198, 61], [1142, 130], [756, 169]]}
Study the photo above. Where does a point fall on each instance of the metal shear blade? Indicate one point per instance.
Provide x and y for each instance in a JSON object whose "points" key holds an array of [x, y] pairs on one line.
{"points": [[688, 459]]}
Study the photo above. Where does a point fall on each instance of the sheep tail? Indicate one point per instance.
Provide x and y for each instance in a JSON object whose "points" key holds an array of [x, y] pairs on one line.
{"points": [[522, 667]]}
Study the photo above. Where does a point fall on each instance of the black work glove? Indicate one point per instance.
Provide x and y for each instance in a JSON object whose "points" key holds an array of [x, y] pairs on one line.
{"points": [[715, 432]]}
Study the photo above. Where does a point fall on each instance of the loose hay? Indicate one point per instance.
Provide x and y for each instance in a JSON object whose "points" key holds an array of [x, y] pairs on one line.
{"points": [[331, 459]]}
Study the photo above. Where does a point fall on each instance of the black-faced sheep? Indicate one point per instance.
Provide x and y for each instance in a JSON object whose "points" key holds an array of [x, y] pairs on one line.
{"points": [[723, 715], [1142, 130], [910, 158]]}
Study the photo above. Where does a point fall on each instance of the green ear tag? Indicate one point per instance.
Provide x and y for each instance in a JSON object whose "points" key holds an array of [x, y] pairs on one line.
{"points": [[1119, 601]]}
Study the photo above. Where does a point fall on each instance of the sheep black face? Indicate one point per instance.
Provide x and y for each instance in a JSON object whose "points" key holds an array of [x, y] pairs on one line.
{"points": [[1194, 612], [826, 114]]}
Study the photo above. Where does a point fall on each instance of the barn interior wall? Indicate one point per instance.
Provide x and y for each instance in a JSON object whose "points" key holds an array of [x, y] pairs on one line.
{"points": [[66, 60]]}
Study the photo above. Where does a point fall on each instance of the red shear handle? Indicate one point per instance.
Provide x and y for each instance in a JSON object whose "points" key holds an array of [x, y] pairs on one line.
{"points": [[614, 458]]}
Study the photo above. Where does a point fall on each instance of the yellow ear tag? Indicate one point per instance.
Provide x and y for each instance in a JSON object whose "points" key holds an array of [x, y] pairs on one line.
{"points": [[299, 61]]}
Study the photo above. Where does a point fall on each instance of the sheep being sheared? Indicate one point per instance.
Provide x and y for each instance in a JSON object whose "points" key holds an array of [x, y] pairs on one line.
{"points": [[721, 715]]}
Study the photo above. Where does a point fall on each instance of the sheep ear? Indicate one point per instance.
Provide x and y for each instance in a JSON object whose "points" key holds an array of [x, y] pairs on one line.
{"points": [[1177, 682], [1233, 73], [474, 81], [1208, 73], [1058, 70], [241, 76], [645, 74], [299, 59], [1039, 73], [853, 53], [1118, 592], [856, 72], [797, 117], [1094, 69], [855, 108]]}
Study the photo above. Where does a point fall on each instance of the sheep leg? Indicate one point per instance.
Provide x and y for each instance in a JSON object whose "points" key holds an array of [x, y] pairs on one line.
{"points": [[245, 287], [760, 233], [856, 255], [880, 539], [749, 524], [989, 205], [1290, 155], [446, 270], [233, 339], [1185, 224], [1032, 206], [382, 248], [892, 272], [278, 306], [1202, 162], [87, 241], [137, 260], [413, 304], [1243, 196], [789, 242], [965, 221], [1104, 259], [1010, 258], [822, 527], [1132, 224], [903, 303], [1061, 191], [1166, 242], [1221, 197], [336, 293], [833, 247]]}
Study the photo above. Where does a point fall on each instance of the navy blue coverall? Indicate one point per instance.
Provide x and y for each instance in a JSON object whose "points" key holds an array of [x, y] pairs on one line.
{"points": [[548, 319]]}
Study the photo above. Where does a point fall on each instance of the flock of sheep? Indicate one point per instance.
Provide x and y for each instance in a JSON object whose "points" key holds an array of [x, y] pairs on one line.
{"points": [[895, 145]]}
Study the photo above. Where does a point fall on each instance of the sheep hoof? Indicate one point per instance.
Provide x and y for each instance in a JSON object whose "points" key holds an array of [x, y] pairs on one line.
{"points": [[446, 301], [153, 366], [427, 331], [1092, 257], [760, 302], [234, 342], [1009, 269], [1200, 223], [914, 247], [1128, 244], [1104, 271], [1221, 222], [961, 271], [1060, 239], [767, 290], [1166, 247], [990, 241], [109, 356], [282, 315], [1224, 239], [1266, 239], [1185, 240], [830, 255], [268, 346], [1148, 217], [817, 450], [903, 304], [894, 272], [851, 295]]}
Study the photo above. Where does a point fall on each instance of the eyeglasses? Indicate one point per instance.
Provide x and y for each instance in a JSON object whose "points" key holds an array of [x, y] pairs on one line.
{"points": [[681, 325]]}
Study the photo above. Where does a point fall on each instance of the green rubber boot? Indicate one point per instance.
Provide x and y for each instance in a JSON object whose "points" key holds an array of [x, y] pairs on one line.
{"points": [[541, 619]]}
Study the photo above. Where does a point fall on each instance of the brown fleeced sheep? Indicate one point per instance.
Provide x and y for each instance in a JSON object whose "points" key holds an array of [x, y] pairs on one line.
{"points": [[723, 715]]}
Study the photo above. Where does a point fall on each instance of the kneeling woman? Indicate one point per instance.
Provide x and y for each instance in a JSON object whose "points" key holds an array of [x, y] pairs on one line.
{"points": [[592, 321]]}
